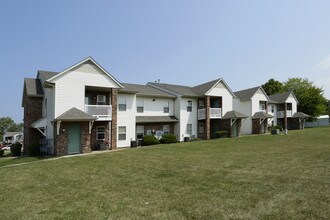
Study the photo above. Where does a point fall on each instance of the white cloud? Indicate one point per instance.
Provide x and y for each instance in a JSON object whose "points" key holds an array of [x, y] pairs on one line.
{"points": [[324, 64]]}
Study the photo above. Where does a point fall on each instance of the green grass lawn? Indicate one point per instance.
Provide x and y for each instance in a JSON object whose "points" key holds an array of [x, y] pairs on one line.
{"points": [[253, 177]]}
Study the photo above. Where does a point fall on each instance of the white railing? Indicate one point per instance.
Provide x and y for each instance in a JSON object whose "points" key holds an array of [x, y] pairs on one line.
{"points": [[280, 114], [102, 112], [214, 113]]}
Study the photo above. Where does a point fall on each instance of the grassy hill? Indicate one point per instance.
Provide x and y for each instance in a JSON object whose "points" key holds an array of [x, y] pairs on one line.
{"points": [[252, 177]]}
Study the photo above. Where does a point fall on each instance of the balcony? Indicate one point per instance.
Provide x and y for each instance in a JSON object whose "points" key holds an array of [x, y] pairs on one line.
{"points": [[280, 114], [215, 113], [102, 112]]}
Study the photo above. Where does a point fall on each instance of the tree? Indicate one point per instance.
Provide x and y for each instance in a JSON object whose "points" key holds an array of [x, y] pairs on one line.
{"points": [[310, 97], [272, 87], [8, 124]]}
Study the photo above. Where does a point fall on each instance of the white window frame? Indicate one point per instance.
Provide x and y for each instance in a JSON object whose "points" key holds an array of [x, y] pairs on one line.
{"points": [[139, 106], [122, 104], [100, 132], [201, 129], [189, 106], [101, 100], [166, 108], [189, 131], [166, 129], [122, 133]]}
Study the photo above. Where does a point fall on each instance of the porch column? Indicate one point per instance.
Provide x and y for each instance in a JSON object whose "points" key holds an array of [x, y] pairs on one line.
{"points": [[113, 142], [207, 118]]}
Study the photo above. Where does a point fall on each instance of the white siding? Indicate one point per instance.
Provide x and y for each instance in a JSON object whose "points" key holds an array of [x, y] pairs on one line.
{"points": [[256, 98], [50, 95], [127, 119], [274, 114], [292, 100], [155, 106], [245, 108], [227, 98], [187, 117], [70, 87]]}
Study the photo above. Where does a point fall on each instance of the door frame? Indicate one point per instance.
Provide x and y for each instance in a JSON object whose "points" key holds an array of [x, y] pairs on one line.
{"points": [[70, 127]]}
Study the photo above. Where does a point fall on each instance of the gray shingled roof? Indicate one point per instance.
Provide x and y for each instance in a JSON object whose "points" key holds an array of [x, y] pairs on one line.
{"points": [[33, 87], [47, 74], [144, 90], [280, 97], [75, 114], [300, 115], [204, 88], [261, 114], [246, 94], [155, 119], [178, 89], [234, 114]]}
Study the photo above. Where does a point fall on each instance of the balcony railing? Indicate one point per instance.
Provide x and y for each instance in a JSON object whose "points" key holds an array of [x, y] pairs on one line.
{"points": [[280, 114], [214, 113], [102, 112]]}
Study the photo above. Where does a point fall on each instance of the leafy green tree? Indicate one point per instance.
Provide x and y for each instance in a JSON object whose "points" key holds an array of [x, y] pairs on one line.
{"points": [[310, 97], [272, 87], [8, 124]]}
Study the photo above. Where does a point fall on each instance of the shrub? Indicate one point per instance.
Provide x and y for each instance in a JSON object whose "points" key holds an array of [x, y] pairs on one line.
{"points": [[34, 150], [221, 134], [275, 128], [2, 152], [149, 140], [16, 149], [168, 139]]}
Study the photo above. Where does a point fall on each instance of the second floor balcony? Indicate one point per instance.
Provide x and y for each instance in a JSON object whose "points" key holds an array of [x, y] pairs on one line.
{"points": [[280, 114], [215, 113], [102, 112]]}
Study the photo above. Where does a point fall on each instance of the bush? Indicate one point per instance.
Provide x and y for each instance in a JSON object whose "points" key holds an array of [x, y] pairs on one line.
{"points": [[149, 140], [168, 139], [34, 150], [2, 152], [275, 128], [221, 134], [16, 149]]}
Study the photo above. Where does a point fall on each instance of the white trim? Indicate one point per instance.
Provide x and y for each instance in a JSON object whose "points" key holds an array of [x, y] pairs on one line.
{"points": [[58, 125], [226, 85], [51, 80]]}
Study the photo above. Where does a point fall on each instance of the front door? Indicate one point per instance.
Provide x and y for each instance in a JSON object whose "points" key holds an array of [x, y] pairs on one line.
{"points": [[74, 137], [235, 129]]}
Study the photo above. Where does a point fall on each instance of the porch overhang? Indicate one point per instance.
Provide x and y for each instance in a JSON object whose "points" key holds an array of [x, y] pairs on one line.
{"points": [[156, 119], [40, 125]]}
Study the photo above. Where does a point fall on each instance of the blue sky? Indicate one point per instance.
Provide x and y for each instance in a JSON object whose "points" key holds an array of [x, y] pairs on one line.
{"points": [[177, 41]]}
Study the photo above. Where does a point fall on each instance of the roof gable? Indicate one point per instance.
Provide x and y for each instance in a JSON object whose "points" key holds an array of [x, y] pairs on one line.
{"points": [[248, 94], [87, 60], [282, 97]]}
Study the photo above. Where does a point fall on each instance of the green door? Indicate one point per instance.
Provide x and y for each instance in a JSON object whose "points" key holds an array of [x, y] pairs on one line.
{"points": [[74, 139]]}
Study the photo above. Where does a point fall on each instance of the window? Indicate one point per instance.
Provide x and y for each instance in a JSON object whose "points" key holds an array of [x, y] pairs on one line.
{"points": [[100, 132], [122, 133], [272, 109], [139, 132], [122, 103], [139, 106], [100, 99], [189, 129], [166, 108], [201, 104], [201, 127], [262, 106], [189, 106], [166, 129]]}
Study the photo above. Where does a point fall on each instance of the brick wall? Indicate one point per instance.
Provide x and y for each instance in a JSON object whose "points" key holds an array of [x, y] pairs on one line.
{"points": [[32, 112], [114, 95], [61, 140], [94, 140]]}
